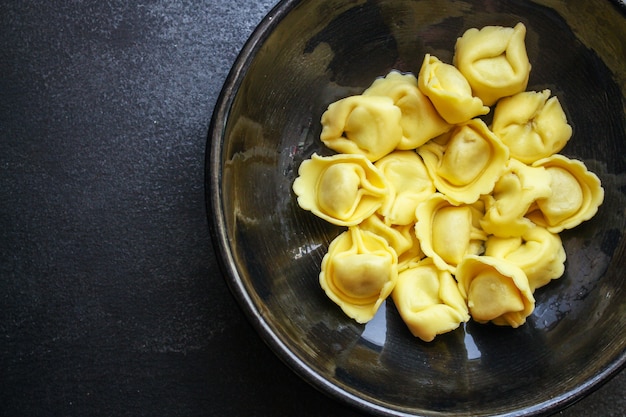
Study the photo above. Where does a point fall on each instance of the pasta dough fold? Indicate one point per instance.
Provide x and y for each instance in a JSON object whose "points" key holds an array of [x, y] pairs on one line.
{"points": [[496, 290], [532, 124], [401, 238], [342, 189], [576, 194], [409, 185], [494, 61], [538, 252], [516, 190], [358, 272], [366, 125], [397, 237], [449, 91], [447, 232], [420, 121], [465, 162], [429, 301]]}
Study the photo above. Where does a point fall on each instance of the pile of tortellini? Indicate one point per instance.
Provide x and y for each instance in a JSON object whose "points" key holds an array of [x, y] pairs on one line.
{"points": [[450, 217]]}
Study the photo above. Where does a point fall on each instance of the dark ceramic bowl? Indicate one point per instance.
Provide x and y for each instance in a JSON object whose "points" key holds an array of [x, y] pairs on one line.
{"points": [[306, 54]]}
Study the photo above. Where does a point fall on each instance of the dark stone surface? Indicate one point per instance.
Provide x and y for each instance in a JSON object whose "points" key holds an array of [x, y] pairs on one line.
{"points": [[112, 302]]}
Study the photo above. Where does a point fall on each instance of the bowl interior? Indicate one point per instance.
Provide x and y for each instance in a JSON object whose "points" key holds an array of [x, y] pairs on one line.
{"points": [[307, 54]]}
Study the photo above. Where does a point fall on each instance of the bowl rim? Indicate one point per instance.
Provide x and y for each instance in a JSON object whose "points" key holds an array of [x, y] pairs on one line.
{"points": [[230, 273]]}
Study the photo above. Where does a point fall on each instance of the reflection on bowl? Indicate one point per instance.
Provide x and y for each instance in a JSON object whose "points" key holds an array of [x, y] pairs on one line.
{"points": [[307, 54]]}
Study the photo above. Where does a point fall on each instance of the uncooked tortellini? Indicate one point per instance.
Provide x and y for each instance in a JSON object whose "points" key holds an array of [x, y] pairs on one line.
{"points": [[358, 272], [448, 232], [398, 237], [451, 217], [415, 253], [409, 184], [496, 290], [420, 121], [538, 252], [342, 189], [429, 300], [401, 238], [465, 162], [494, 61], [367, 125], [516, 190], [449, 91], [576, 194], [532, 125]]}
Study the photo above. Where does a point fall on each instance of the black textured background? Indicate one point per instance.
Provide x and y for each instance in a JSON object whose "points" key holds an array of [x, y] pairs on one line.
{"points": [[111, 300]]}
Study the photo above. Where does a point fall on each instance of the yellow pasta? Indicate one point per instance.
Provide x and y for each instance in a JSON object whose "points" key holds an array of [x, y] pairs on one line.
{"points": [[496, 290], [515, 191], [429, 301], [576, 194], [538, 252], [449, 91], [532, 125], [414, 254], [448, 232], [494, 61], [398, 237], [420, 121], [358, 272], [409, 184], [367, 125], [465, 162], [452, 218], [343, 189]]}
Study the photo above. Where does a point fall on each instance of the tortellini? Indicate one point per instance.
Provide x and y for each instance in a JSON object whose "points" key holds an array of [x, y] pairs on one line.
{"points": [[538, 252], [449, 216], [409, 184], [358, 272], [367, 125], [401, 238], [343, 189], [514, 193], [420, 121], [429, 301], [496, 290], [494, 61], [398, 237], [465, 162], [532, 125], [576, 194], [449, 91], [415, 253], [448, 232]]}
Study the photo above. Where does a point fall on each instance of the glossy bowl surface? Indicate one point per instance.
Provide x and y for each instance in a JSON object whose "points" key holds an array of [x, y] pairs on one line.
{"points": [[306, 54]]}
